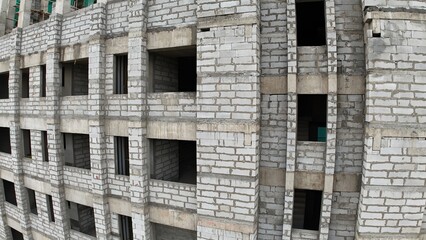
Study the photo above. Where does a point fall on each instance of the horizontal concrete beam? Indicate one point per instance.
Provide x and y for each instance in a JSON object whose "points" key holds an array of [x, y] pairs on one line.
{"points": [[5, 120], [228, 20], [6, 175], [33, 123], [74, 52], [4, 66], [70, 125], [80, 197], [234, 226], [117, 128], [33, 60], [172, 38], [173, 217], [13, 223], [117, 45], [177, 130], [120, 206], [37, 185]]}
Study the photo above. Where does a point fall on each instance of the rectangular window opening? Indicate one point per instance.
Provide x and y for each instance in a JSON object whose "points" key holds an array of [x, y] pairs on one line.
{"points": [[50, 210], [75, 77], [121, 146], [173, 70], [16, 235], [125, 226], [26, 140], [312, 117], [4, 85], [307, 209], [9, 192], [43, 85], [120, 74], [25, 82], [164, 232], [32, 201], [174, 161], [79, 4], [310, 19], [76, 149], [5, 140], [44, 146], [82, 218]]}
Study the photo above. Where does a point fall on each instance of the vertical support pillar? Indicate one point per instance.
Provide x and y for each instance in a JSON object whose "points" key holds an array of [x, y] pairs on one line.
{"points": [[3, 16], [62, 7], [330, 154], [24, 14], [96, 96], [56, 163], [4, 229], [138, 150], [291, 118]]}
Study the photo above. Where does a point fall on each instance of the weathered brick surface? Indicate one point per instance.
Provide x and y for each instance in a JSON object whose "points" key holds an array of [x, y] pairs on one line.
{"points": [[163, 13]]}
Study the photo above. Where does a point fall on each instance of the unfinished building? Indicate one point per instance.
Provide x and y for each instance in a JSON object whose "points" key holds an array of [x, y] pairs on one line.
{"points": [[184, 119]]}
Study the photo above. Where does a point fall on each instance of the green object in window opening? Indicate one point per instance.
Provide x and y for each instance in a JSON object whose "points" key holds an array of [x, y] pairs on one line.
{"points": [[322, 134], [86, 3], [16, 17], [89, 2], [50, 6]]}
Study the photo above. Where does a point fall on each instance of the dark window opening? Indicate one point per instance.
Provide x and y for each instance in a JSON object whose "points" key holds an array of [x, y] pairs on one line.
{"points": [[79, 4], [4, 85], [312, 117], [25, 83], [43, 85], [174, 161], [125, 226], [121, 146], [307, 209], [310, 18], [120, 74], [9, 192], [174, 70], [164, 232], [50, 209], [44, 146], [26, 139], [75, 78], [76, 148], [82, 218], [5, 140], [16, 235], [32, 201]]}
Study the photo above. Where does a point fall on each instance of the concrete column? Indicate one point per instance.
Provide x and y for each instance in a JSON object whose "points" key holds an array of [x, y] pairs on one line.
{"points": [[24, 14], [5, 232], [291, 118], [62, 6], [3, 16], [138, 150]]}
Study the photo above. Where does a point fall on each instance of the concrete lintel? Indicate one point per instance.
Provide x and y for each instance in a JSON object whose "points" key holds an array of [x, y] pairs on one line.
{"points": [[177, 130], [74, 52], [13, 223], [75, 125], [4, 66], [309, 180], [5, 120], [172, 38], [33, 60], [80, 197], [116, 128], [395, 15], [228, 20], [173, 217], [120, 206], [312, 84], [228, 126], [234, 226], [37, 185], [117, 45], [38, 235], [273, 84], [33, 123], [6, 175]]}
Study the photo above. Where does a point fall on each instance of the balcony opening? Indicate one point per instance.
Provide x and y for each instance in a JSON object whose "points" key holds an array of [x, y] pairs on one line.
{"points": [[79, 4], [43, 85], [174, 70], [50, 210], [9, 192], [310, 19], [174, 161], [120, 74], [4, 85], [32, 201], [76, 149], [5, 140], [26, 140], [125, 227], [75, 78], [121, 146], [164, 232], [44, 146], [16, 235], [307, 209], [312, 117], [82, 218], [25, 83]]}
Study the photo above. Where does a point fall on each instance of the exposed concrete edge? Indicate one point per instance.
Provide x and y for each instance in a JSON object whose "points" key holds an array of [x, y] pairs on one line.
{"points": [[117, 45], [5, 120], [69, 125], [381, 236], [13, 223], [80, 197], [6, 175], [343, 182], [176, 130], [120, 206], [228, 20], [74, 52], [395, 15], [173, 217], [4, 66], [32, 60], [172, 38], [234, 226], [38, 235], [33, 123], [379, 133], [317, 84], [116, 128], [37, 185]]}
